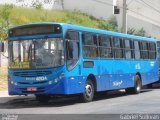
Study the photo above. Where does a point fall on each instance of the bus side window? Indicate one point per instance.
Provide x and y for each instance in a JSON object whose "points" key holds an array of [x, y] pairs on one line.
{"points": [[128, 51], [89, 45], [137, 50], [132, 49], [118, 48], [105, 46], [144, 50], [72, 48], [152, 51]]}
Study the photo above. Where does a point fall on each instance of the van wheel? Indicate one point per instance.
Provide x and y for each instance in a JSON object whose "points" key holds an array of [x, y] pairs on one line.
{"points": [[43, 98], [88, 94], [137, 86]]}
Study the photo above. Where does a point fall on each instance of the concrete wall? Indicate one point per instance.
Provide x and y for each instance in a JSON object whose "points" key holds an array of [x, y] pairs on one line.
{"points": [[139, 14], [98, 8]]}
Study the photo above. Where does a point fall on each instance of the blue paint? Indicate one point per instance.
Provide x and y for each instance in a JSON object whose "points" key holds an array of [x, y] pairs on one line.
{"points": [[110, 74]]}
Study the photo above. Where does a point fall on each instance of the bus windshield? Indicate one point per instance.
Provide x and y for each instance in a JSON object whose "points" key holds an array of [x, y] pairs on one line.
{"points": [[36, 53]]}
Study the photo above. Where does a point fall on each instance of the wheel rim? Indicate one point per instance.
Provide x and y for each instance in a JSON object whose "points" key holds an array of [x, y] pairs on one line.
{"points": [[88, 91], [138, 85]]}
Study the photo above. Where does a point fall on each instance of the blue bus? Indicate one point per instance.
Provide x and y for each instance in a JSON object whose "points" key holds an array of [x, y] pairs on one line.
{"points": [[158, 49], [47, 59]]}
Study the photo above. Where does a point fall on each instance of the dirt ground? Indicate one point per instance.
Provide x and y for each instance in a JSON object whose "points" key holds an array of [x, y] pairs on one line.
{"points": [[3, 73], [3, 78]]}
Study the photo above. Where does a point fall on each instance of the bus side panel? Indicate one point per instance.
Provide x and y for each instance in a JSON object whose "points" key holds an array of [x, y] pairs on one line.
{"points": [[151, 75], [75, 84], [104, 68], [122, 74], [101, 71]]}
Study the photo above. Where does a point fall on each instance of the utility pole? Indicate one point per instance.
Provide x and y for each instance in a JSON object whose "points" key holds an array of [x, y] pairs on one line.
{"points": [[124, 17], [62, 3]]}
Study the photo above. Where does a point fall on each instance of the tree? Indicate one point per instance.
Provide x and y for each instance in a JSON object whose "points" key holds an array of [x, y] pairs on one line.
{"points": [[113, 23], [131, 31], [37, 5], [140, 32], [5, 21]]}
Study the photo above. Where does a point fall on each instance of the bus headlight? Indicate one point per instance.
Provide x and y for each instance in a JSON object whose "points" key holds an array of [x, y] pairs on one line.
{"points": [[61, 76], [53, 81], [13, 83], [57, 79], [50, 82]]}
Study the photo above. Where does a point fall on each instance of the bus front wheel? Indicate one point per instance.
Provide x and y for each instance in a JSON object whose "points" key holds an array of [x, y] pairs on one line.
{"points": [[137, 86], [88, 94], [43, 98]]}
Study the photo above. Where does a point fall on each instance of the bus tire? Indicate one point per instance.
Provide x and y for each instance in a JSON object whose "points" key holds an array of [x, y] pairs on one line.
{"points": [[88, 94], [43, 98], [137, 86]]}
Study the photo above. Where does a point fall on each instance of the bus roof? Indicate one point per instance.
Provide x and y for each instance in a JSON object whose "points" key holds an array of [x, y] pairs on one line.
{"points": [[95, 30]]}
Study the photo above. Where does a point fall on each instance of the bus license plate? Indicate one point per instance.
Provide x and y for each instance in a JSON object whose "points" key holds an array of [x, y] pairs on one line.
{"points": [[31, 89]]}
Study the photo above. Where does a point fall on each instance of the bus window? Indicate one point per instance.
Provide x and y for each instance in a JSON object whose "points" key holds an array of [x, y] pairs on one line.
{"points": [[105, 47], [152, 51], [72, 38], [89, 45], [144, 50], [118, 48], [128, 51], [137, 50]]}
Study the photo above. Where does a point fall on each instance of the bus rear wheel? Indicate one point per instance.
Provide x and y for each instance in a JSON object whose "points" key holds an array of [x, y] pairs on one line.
{"points": [[88, 94], [137, 86], [43, 98]]}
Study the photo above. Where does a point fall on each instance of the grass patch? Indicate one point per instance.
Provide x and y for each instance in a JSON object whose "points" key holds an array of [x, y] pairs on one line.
{"points": [[21, 15]]}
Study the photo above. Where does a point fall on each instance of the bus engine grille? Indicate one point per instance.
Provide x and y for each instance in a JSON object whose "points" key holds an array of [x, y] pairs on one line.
{"points": [[32, 73]]}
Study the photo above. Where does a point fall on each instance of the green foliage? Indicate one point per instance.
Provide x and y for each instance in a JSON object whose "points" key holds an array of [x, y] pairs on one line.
{"points": [[131, 31], [37, 5], [5, 12], [113, 23], [140, 32], [20, 15]]}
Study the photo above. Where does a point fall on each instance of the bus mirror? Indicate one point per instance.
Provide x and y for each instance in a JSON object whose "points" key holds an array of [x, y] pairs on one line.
{"points": [[2, 47]]}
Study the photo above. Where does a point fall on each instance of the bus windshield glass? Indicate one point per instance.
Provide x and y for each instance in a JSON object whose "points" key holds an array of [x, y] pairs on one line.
{"points": [[36, 53]]}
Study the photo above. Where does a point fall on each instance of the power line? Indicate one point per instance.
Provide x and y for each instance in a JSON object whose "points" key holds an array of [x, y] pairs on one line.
{"points": [[144, 16], [106, 3], [129, 2], [150, 6], [155, 6]]}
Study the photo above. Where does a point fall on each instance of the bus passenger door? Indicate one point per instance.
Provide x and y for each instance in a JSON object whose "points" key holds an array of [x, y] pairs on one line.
{"points": [[73, 61]]}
